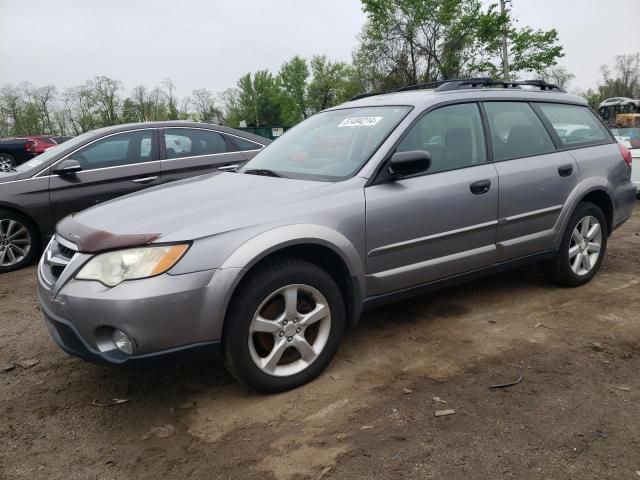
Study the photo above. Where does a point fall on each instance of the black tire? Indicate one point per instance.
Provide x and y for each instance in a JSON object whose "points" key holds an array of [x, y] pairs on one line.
{"points": [[252, 292], [34, 250], [559, 270], [6, 157]]}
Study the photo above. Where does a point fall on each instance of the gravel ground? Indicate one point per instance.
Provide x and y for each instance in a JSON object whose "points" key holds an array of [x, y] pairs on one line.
{"points": [[371, 415]]}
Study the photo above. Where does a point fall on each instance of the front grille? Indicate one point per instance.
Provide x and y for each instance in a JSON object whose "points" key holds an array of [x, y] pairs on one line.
{"points": [[56, 258]]}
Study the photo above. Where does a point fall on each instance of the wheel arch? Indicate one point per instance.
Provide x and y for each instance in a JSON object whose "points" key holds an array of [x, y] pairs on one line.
{"points": [[600, 198], [321, 246], [14, 208]]}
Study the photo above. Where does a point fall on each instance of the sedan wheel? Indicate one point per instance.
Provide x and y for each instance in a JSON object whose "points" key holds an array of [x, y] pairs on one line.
{"points": [[585, 246], [289, 330], [6, 162], [15, 242]]}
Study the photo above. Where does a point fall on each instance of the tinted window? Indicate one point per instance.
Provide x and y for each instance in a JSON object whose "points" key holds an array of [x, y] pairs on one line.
{"points": [[191, 142], [575, 125], [516, 131], [244, 144], [116, 150], [452, 135]]}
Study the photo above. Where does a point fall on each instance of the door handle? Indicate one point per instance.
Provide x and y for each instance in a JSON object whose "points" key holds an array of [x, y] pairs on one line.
{"points": [[565, 170], [480, 187], [145, 179]]}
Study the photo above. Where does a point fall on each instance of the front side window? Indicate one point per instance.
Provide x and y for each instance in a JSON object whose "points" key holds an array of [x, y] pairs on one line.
{"points": [[453, 136], [329, 146], [516, 131], [117, 150], [575, 125], [192, 142]]}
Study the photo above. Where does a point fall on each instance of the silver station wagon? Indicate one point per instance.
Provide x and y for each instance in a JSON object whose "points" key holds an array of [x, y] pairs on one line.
{"points": [[381, 198]]}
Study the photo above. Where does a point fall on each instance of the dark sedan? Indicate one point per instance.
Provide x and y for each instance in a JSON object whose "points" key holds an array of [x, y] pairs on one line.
{"points": [[103, 164]]}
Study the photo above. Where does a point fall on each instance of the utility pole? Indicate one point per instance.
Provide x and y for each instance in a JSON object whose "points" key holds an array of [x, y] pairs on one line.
{"points": [[505, 53]]}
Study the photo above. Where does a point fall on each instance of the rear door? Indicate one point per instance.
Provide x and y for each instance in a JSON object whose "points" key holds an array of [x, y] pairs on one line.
{"points": [[195, 151], [111, 166], [535, 179]]}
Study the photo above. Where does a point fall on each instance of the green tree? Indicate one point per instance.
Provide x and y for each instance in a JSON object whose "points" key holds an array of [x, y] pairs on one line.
{"points": [[105, 92], [292, 80], [258, 99], [332, 83], [412, 41]]}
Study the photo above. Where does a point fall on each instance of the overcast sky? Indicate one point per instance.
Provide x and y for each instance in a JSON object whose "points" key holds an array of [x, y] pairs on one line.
{"points": [[210, 43]]}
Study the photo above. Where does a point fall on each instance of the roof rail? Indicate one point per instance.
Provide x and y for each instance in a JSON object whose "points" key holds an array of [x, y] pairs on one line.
{"points": [[438, 83], [363, 95], [490, 82]]}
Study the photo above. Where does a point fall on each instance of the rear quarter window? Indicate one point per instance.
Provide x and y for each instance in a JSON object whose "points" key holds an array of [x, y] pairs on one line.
{"points": [[575, 125]]}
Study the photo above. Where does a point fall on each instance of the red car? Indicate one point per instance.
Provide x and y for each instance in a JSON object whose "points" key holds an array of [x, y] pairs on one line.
{"points": [[40, 144]]}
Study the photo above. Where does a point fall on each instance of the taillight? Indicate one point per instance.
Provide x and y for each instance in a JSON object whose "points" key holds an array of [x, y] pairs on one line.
{"points": [[30, 147], [626, 154]]}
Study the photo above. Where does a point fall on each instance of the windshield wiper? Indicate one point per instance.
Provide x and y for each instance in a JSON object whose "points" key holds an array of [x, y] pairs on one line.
{"points": [[262, 171]]}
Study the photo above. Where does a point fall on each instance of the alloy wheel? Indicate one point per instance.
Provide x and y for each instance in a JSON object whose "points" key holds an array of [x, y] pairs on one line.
{"points": [[5, 163], [289, 330], [15, 242], [585, 245]]}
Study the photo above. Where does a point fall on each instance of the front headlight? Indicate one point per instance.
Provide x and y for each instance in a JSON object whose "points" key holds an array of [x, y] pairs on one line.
{"points": [[113, 268]]}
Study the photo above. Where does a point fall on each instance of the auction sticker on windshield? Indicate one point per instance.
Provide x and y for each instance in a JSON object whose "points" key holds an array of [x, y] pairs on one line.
{"points": [[360, 122]]}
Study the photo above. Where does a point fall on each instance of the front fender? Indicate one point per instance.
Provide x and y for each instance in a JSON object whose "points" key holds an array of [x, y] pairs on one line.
{"points": [[229, 275]]}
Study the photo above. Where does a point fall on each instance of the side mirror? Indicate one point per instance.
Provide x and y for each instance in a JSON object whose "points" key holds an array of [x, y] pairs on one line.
{"points": [[67, 167], [403, 164]]}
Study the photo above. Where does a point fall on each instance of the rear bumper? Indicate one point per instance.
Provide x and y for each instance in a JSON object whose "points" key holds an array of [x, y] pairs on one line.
{"points": [[624, 201]]}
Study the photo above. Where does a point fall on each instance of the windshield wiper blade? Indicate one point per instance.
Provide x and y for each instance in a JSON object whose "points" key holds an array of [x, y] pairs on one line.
{"points": [[262, 171]]}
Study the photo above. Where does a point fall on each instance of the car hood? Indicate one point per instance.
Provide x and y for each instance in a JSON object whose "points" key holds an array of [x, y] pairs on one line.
{"points": [[186, 210], [8, 176]]}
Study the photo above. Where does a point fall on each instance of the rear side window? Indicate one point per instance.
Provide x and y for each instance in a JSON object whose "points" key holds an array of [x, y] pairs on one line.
{"points": [[575, 125], [452, 135], [192, 142], [516, 131], [245, 145]]}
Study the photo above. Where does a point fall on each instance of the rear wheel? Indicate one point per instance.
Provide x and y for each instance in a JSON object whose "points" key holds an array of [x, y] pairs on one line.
{"points": [[284, 326], [7, 162], [19, 241], [582, 249]]}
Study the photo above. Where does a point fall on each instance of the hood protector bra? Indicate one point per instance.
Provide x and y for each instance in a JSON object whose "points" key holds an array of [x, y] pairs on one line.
{"points": [[90, 240]]}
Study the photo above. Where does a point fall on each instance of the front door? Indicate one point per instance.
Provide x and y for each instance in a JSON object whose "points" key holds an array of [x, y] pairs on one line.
{"points": [[437, 224], [112, 166]]}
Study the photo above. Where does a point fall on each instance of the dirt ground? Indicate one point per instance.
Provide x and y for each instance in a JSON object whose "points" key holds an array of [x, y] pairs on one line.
{"points": [[576, 413]]}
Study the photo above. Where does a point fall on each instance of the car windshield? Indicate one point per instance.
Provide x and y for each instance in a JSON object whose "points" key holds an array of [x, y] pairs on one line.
{"points": [[53, 152], [329, 146]]}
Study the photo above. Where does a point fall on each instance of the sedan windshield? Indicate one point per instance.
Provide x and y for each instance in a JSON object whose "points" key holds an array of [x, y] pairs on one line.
{"points": [[329, 146], [53, 152]]}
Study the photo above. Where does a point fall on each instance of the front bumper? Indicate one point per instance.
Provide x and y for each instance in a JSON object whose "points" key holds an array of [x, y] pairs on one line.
{"points": [[69, 339], [166, 315]]}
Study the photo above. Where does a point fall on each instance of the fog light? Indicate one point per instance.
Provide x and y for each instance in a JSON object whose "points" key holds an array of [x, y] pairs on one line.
{"points": [[122, 342]]}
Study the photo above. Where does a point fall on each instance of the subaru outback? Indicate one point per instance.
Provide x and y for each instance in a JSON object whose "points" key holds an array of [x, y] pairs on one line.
{"points": [[381, 198]]}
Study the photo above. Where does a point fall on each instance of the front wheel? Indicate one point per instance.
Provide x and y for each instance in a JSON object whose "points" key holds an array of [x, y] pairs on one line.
{"points": [[284, 326], [582, 249], [19, 241]]}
